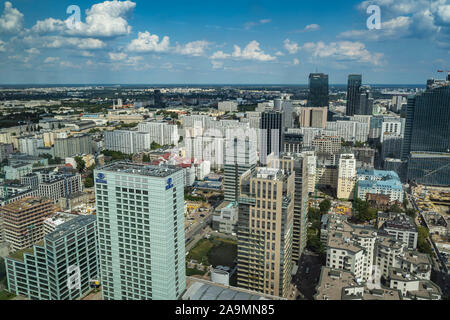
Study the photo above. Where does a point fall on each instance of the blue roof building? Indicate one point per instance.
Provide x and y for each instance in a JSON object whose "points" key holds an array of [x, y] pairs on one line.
{"points": [[379, 182]]}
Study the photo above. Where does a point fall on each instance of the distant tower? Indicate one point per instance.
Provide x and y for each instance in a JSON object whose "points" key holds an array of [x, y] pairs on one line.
{"points": [[354, 84], [318, 90], [272, 134]]}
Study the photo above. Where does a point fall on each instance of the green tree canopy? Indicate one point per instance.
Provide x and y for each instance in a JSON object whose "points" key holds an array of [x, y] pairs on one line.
{"points": [[325, 206], [155, 146], [81, 164]]}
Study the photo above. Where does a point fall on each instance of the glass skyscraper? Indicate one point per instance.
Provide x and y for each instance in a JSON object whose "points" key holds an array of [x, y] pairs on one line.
{"points": [[353, 93], [429, 168], [318, 90], [140, 216], [272, 134], [427, 134]]}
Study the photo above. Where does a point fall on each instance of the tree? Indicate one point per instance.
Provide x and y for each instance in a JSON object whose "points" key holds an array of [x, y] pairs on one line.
{"points": [[155, 146], [313, 214], [2, 269], [395, 208], [363, 212], [411, 213], [325, 206], [422, 243], [81, 164], [88, 182], [146, 158]]}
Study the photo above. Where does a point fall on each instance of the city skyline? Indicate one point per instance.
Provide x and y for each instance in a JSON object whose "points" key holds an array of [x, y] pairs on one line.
{"points": [[199, 43]]}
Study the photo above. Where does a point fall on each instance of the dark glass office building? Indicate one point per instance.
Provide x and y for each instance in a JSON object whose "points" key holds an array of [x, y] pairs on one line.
{"points": [[318, 90], [353, 94], [429, 168], [426, 144], [272, 134], [427, 127]]}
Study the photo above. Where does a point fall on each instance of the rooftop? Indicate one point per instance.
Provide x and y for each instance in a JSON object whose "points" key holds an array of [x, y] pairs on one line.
{"points": [[68, 227], [25, 203], [400, 221], [140, 169], [199, 289], [342, 285]]}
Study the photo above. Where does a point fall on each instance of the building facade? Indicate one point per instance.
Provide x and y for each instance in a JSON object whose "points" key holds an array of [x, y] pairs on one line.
{"points": [[265, 231], [140, 217], [61, 267]]}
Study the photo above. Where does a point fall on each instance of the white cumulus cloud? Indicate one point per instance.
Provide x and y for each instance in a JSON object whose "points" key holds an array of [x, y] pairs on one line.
{"points": [[117, 56], [291, 47], [11, 20], [219, 55], [106, 19], [147, 42], [344, 51], [252, 52], [195, 48]]}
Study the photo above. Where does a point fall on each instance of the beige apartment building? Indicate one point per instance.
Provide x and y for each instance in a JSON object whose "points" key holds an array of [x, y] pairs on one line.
{"points": [[23, 221], [297, 163], [327, 144], [265, 231], [313, 117], [346, 177]]}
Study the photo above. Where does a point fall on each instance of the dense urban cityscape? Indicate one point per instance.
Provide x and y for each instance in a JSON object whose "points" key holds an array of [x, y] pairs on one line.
{"points": [[226, 192]]}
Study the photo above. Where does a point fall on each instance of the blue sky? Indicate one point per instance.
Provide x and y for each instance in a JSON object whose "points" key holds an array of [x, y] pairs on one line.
{"points": [[200, 42]]}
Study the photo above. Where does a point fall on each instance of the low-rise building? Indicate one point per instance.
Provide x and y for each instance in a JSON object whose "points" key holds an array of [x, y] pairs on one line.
{"points": [[401, 226], [379, 182], [412, 287], [341, 285], [225, 217]]}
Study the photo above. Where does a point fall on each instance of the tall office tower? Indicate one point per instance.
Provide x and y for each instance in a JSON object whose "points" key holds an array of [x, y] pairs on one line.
{"points": [[288, 110], [354, 84], [240, 156], [265, 230], [427, 131], [365, 106], [296, 162], [272, 134], [346, 176], [23, 221], [158, 99], [313, 117], [67, 255], [397, 103], [140, 219], [318, 90]]}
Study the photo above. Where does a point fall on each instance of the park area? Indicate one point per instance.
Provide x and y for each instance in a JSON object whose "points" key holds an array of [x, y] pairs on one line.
{"points": [[213, 251]]}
